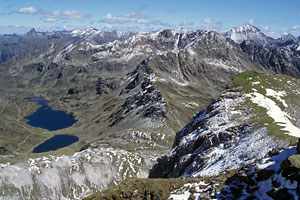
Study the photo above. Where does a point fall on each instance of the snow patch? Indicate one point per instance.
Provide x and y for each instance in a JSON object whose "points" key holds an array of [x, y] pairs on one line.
{"points": [[274, 111], [222, 64], [256, 83], [247, 149], [184, 193], [277, 95]]}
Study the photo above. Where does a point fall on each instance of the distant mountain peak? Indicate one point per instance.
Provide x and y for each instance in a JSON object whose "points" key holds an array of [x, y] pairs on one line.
{"points": [[88, 31], [245, 28], [33, 34], [287, 39], [248, 32], [32, 30]]}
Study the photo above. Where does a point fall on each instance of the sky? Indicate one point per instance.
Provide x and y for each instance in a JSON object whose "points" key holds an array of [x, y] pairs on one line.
{"points": [[273, 17]]}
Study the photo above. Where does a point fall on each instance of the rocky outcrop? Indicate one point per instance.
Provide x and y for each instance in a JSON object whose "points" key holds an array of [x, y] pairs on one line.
{"points": [[270, 178], [214, 142], [272, 58]]}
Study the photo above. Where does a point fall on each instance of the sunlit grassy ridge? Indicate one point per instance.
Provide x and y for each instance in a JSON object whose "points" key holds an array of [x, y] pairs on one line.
{"points": [[253, 81]]}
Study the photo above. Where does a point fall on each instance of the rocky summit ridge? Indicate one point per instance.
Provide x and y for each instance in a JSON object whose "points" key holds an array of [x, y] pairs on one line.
{"points": [[131, 93]]}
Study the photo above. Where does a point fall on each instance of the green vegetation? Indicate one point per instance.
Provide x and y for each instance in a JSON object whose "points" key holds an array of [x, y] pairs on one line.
{"points": [[252, 81], [295, 160], [134, 188], [247, 79]]}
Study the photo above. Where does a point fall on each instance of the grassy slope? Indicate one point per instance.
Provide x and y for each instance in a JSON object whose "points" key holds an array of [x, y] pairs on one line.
{"points": [[259, 81]]}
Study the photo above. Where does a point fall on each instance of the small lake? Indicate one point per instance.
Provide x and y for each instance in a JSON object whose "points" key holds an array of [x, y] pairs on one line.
{"points": [[56, 142], [47, 118]]}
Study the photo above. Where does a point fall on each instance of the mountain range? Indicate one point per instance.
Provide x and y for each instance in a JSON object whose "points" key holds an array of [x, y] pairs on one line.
{"points": [[167, 104]]}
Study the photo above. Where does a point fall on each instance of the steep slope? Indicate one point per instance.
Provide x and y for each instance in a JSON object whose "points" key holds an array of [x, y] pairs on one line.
{"points": [[274, 58], [244, 124], [249, 32]]}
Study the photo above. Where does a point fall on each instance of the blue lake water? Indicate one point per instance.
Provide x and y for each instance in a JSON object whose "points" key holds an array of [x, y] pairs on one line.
{"points": [[56, 142], [47, 118]]}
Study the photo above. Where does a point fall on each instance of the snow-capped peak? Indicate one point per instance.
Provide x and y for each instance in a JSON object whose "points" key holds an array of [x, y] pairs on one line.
{"points": [[85, 32], [288, 39], [248, 32], [180, 30], [245, 29]]}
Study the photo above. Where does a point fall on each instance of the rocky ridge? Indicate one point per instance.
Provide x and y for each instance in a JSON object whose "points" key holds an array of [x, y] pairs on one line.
{"points": [[227, 134]]}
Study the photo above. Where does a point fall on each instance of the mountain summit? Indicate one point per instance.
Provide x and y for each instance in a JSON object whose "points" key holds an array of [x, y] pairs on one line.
{"points": [[33, 34], [248, 32]]}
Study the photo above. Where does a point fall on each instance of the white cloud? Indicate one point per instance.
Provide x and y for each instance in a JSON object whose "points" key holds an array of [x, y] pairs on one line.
{"points": [[296, 27], [251, 21], [127, 18], [50, 19], [132, 17], [68, 14], [108, 26], [186, 23], [207, 20], [28, 10], [266, 28], [292, 30]]}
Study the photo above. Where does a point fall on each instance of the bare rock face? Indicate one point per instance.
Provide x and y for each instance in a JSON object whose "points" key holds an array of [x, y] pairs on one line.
{"points": [[274, 58]]}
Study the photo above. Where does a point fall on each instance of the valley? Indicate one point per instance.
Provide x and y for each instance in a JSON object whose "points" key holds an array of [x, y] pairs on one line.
{"points": [[167, 104]]}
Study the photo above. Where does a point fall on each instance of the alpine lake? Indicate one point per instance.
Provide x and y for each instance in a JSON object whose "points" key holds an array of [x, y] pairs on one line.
{"points": [[47, 118]]}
